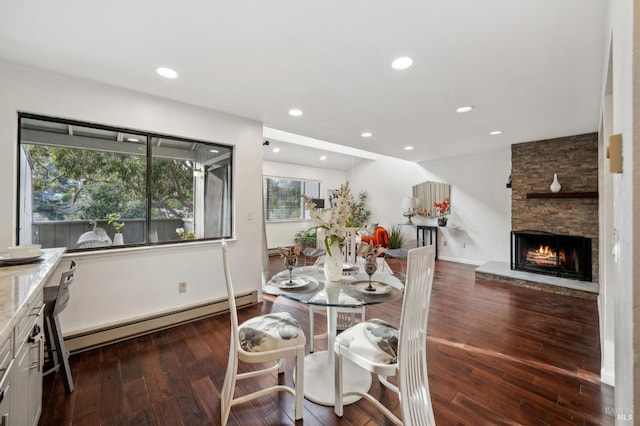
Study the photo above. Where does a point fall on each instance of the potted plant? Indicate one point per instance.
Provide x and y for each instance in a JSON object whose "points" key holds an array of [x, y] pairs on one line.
{"points": [[396, 240], [118, 239], [442, 209]]}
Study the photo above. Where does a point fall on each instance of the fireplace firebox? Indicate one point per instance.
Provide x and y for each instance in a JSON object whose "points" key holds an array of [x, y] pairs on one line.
{"points": [[564, 256]]}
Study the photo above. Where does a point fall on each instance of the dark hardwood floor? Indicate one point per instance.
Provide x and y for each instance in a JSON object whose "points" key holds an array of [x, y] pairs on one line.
{"points": [[496, 355]]}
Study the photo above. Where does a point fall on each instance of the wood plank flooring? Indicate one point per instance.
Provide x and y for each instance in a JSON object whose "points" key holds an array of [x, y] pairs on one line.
{"points": [[497, 354]]}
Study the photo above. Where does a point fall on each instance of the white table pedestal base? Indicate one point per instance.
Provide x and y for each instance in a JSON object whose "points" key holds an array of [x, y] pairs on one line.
{"points": [[319, 379]]}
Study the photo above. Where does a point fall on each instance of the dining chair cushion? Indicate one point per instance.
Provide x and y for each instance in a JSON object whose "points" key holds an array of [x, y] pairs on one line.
{"points": [[374, 340], [271, 331]]}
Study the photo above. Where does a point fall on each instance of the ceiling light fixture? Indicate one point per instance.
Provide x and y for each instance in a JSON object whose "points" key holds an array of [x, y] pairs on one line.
{"points": [[366, 134], [295, 112], [324, 157], [464, 109], [215, 151], [133, 140], [402, 63], [167, 72], [408, 148], [276, 149], [495, 132]]}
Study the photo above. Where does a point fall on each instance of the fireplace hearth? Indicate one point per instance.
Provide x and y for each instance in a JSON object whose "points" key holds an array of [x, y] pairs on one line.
{"points": [[565, 256]]}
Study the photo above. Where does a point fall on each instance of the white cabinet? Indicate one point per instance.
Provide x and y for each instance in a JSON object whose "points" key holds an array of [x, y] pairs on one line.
{"points": [[26, 370]]}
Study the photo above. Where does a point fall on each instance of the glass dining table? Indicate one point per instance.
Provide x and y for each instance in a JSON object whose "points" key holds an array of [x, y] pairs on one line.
{"points": [[307, 285]]}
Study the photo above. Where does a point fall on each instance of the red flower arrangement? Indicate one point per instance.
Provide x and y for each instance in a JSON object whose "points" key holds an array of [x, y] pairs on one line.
{"points": [[442, 209]]}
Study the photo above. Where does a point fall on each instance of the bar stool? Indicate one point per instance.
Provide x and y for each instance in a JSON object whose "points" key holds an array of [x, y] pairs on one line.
{"points": [[55, 300]]}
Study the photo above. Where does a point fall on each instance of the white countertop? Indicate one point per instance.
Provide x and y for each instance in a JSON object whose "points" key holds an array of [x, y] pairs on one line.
{"points": [[20, 283]]}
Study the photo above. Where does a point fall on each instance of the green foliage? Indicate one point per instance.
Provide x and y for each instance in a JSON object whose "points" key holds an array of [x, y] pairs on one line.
{"points": [[396, 240], [306, 238], [359, 212], [71, 183], [113, 217]]}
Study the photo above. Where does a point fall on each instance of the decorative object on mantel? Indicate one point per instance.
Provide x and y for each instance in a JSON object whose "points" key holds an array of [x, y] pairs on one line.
{"points": [[410, 204], [442, 208], [509, 182], [555, 185]]}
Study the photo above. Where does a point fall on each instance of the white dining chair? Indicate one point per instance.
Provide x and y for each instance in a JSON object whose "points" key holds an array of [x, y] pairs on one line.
{"points": [[346, 317], [400, 255], [384, 350], [266, 338]]}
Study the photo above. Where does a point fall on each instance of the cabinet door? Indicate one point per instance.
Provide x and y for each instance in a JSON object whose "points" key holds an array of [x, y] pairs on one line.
{"points": [[5, 398], [20, 388], [35, 379]]}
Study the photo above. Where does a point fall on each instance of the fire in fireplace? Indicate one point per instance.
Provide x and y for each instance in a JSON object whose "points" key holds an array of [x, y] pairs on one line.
{"points": [[564, 256]]}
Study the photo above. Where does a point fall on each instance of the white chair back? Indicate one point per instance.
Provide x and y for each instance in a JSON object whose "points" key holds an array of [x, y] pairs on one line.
{"points": [[258, 331], [234, 341], [349, 248], [415, 400], [231, 296]]}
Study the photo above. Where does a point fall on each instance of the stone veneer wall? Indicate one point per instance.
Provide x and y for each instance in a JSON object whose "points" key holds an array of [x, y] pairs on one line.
{"points": [[575, 160]]}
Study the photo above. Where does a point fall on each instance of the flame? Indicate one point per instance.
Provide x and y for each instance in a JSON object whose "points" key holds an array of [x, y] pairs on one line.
{"points": [[548, 253]]}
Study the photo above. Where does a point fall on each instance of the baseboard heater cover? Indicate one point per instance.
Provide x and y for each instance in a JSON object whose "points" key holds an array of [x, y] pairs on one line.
{"points": [[103, 336]]}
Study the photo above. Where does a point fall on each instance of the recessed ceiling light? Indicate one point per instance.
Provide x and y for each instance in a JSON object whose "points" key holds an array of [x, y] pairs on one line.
{"points": [[295, 112], [215, 151], [324, 157], [133, 139], [402, 63], [167, 72], [408, 148], [366, 134], [275, 149], [495, 132], [464, 109]]}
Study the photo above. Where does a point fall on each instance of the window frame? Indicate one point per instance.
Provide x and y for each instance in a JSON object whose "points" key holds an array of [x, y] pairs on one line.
{"points": [[304, 215], [149, 157]]}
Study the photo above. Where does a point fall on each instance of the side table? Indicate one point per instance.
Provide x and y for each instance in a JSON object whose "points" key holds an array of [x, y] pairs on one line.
{"points": [[421, 236]]}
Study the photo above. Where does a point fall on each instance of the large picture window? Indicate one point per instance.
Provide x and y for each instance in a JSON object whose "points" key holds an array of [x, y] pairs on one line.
{"points": [[283, 198], [81, 184]]}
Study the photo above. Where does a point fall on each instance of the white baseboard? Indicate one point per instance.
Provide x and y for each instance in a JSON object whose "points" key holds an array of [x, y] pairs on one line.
{"points": [[102, 336], [458, 260]]}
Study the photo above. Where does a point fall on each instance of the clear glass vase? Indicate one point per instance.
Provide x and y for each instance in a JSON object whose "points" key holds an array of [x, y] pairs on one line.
{"points": [[333, 263]]}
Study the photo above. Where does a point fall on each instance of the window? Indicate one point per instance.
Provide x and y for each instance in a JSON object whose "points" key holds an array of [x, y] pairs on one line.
{"points": [[283, 198], [79, 183]]}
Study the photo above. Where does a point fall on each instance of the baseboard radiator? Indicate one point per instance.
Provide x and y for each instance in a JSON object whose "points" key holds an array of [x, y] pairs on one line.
{"points": [[95, 338]]}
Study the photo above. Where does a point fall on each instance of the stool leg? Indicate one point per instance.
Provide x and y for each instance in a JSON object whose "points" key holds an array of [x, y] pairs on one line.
{"points": [[63, 354], [48, 344]]}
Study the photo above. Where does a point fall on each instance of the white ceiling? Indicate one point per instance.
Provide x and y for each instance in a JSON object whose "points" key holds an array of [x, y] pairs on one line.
{"points": [[530, 68]]}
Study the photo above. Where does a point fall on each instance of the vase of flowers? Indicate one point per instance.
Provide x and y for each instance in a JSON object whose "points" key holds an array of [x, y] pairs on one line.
{"points": [[333, 223], [442, 209]]}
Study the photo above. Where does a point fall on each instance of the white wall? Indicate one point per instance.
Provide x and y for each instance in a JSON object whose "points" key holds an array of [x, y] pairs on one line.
{"points": [[282, 233], [125, 284], [625, 233], [480, 202]]}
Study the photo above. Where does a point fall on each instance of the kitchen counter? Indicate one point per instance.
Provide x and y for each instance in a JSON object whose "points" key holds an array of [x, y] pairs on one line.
{"points": [[20, 284]]}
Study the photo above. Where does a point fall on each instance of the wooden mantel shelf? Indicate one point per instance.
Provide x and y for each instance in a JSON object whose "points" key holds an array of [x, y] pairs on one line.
{"points": [[562, 195]]}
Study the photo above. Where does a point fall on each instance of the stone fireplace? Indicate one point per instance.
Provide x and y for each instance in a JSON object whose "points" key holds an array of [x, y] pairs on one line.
{"points": [[554, 235], [566, 220]]}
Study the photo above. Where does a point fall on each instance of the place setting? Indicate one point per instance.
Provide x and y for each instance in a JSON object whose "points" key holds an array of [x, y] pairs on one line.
{"points": [[20, 255], [287, 280], [369, 252]]}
